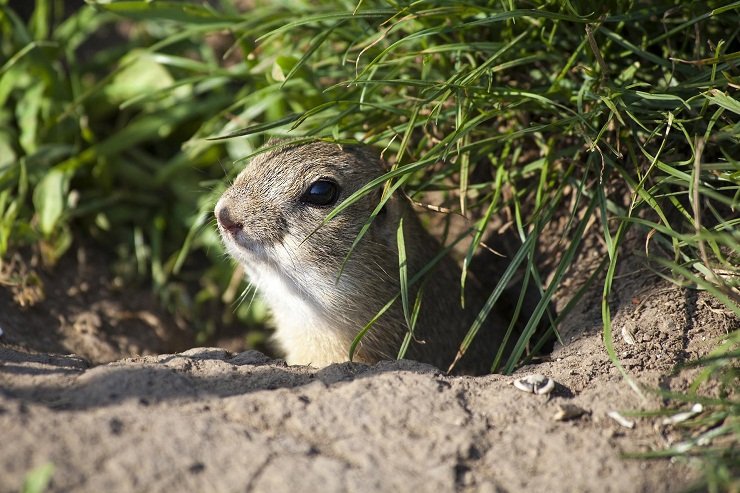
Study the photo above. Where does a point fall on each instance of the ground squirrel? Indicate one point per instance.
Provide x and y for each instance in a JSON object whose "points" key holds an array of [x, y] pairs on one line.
{"points": [[268, 220]]}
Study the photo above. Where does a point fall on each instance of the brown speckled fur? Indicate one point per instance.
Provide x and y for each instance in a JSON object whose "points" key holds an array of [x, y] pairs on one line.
{"points": [[317, 315]]}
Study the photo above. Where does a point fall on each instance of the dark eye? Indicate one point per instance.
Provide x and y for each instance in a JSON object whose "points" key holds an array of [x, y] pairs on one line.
{"points": [[321, 192]]}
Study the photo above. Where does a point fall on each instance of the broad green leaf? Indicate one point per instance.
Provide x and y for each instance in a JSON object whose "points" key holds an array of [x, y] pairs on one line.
{"points": [[143, 75], [37, 480], [49, 199], [724, 100]]}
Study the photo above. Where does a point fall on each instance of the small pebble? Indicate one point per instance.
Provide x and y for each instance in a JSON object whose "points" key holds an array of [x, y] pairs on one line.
{"points": [[627, 335], [566, 412]]}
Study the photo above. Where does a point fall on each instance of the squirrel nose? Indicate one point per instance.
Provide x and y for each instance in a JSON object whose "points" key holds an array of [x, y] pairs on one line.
{"points": [[233, 227]]}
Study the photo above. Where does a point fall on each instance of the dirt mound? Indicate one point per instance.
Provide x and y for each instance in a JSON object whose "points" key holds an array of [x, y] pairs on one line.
{"points": [[207, 420], [210, 420]]}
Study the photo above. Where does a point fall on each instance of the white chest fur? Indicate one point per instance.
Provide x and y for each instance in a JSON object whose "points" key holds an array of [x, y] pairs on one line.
{"points": [[303, 330]]}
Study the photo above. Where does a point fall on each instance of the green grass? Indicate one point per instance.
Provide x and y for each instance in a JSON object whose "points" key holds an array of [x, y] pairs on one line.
{"points": [[37, 480], [711, 436], [621, 116]]}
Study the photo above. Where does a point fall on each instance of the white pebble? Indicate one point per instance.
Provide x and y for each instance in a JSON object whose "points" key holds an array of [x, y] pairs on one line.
{"points": [[621, 419]]}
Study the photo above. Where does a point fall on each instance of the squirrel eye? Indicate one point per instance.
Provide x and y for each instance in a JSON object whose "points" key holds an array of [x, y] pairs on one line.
{"points": [[321, 192]]}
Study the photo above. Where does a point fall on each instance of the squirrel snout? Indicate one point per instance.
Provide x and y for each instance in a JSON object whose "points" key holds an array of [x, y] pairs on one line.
{"points": [[224, 219]]}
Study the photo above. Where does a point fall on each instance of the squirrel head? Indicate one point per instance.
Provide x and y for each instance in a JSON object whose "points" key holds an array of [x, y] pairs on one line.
{"points": [[274, 212]]}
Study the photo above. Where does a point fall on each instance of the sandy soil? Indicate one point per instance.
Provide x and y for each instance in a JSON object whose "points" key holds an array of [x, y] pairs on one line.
{"points": [[209, 420]]}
